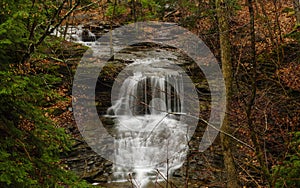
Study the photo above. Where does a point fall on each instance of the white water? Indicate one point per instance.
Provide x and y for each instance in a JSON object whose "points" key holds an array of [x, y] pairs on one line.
{"points": [[149, 136], [76, 34]]}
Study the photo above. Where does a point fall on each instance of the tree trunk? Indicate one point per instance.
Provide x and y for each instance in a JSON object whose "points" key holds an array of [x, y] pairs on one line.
{"points": [[249, 109], [222, 12], [297, 11]]}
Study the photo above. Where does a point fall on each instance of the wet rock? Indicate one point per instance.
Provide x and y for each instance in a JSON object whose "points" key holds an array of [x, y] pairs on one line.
{"points": [[178, 173], [88, 164], [108, 121], [87, 36]]}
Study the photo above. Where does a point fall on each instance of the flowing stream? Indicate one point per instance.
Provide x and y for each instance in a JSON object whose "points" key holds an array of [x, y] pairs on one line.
{"points": [[151, 140], [77, 34], [148, 110]]}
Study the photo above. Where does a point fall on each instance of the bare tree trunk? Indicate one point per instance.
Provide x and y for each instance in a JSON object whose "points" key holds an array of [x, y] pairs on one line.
{"points": [[222, 12], [67, 21], [297, 11], [249, 111], [133, 10], [268, 23]]}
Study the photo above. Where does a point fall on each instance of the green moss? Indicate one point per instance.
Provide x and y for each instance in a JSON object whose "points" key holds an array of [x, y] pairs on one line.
{"points": [[287, 174]]}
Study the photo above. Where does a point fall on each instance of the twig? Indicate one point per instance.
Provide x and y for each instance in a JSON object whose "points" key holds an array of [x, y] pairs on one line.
{"points": [[227, 134], [56, 59], [206, 122], [170, 13], [249, 175], [166, 180], [157, 183], [48, 30], [156, 126], [89, 5], [167, 165], [23, 145], [130, 180]]}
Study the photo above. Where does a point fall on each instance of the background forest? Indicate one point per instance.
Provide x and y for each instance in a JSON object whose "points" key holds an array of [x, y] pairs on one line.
{"points": [[257, 43]]}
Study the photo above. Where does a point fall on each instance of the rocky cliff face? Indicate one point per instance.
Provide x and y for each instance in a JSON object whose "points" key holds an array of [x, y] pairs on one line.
{"points": [[92, 167]]}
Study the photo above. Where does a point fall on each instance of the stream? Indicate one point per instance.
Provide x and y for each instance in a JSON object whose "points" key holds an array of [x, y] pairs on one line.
{"points": [[151, 137], [143, 95]]}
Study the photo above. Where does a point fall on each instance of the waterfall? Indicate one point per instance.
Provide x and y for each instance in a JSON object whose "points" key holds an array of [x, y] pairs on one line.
{"points": [[141, 95], [150, 136], [76, 34]]}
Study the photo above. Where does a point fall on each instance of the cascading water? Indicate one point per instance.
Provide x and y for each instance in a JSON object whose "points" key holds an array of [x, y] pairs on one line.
{"points": [[76, 34], [150, 137]]}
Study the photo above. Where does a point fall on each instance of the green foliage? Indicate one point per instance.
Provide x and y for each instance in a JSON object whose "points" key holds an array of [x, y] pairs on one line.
{"points": [[24, 24], [143, 10], [152, 8], [16, 18], [30, 145], [85, 2], [234, 5], [288, 10], [114, 10], [12, 40], [294, 34], [164, 6], [289, 172]]}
